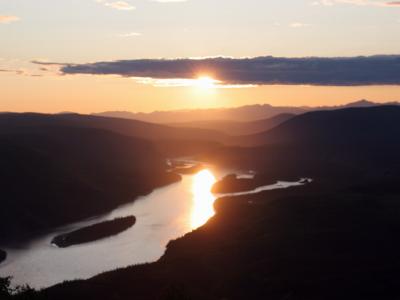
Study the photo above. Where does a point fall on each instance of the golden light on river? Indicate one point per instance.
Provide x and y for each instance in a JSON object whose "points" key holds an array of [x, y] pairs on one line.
{"points": [[203, 199]]}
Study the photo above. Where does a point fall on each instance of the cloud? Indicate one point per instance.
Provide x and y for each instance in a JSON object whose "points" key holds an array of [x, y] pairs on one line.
{"points": [[339, 71], [299, 25], [47, 63], [358, 2], [21, 72], [4, 19], [36, 68], [130, 34], [120, 5]]}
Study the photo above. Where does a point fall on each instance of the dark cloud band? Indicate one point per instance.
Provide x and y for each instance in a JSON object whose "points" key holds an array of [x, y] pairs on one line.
{"points": [[340, 71]]}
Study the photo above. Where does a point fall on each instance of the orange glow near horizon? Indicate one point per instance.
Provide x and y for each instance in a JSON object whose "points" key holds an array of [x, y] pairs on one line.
{"points": [[88, 94], [203, 206]]}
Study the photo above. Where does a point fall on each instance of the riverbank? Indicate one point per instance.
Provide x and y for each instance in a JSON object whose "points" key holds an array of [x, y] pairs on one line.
{"points": [[94, 232], [233, 184], [188, 169]]}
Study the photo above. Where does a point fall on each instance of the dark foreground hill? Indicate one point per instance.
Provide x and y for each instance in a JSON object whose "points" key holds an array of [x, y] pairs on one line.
{"points": [[55, 175], [336, 238]]}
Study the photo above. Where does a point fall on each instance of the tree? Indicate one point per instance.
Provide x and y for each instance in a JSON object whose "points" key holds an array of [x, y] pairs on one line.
{"points": [[24, 292], [5, 288]]}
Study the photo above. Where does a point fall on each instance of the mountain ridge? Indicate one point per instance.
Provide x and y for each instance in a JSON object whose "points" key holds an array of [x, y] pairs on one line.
{"points": [[243, 113]]}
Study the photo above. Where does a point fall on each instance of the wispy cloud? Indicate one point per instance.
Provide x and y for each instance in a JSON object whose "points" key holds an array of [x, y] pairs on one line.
{"points": [[45, 62], [299, 25], [340, 71], [130, 34], [22, 72], [119, 5], [5, 19], [36, 68]]}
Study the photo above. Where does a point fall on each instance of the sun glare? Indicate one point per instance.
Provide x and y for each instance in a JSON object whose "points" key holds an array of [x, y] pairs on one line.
{"points": [[203, 206], [206, 82]]}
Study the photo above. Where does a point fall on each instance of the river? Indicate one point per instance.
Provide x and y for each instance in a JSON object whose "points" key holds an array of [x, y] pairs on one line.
{"points": [[166, 214]]}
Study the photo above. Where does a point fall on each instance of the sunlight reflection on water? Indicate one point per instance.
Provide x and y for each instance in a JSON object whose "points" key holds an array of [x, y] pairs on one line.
{"points": [[203, 199]]}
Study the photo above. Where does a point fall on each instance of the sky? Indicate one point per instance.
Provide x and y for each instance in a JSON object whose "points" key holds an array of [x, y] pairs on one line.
{"points": [[145, 55]]}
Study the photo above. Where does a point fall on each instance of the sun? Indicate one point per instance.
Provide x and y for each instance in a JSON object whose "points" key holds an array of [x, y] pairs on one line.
{"points": [[206, 82]]}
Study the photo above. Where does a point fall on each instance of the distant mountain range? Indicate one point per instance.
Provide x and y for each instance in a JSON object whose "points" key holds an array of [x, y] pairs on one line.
{"points": [[237, 114]]}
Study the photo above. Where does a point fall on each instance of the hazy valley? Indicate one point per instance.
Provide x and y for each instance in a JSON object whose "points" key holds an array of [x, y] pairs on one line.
{"points": [[59, 169]]}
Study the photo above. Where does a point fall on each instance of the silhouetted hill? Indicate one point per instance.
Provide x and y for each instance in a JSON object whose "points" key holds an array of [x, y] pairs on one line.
{"points": [[362, 103], [366, 103], [353, 124], [180, 141], [134, 128], [55, 175], [237, 128], [323, 142]]}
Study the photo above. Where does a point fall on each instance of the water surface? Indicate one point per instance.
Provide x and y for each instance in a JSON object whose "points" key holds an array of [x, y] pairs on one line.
{"points": [[165, 214]]}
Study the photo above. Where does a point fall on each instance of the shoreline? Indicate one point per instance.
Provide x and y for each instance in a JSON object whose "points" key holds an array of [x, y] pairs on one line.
{"points": [[234, 184]]}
